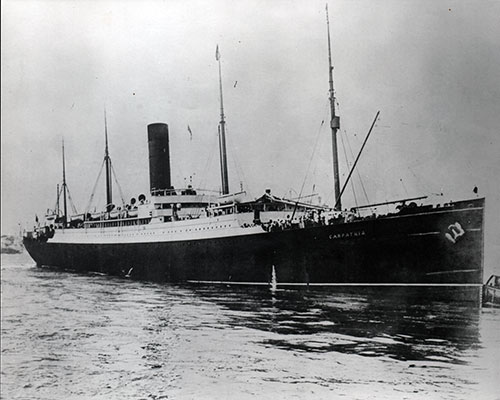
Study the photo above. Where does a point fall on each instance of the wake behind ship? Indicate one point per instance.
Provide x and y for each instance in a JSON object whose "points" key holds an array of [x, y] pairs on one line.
{"points": [[188, 235]]}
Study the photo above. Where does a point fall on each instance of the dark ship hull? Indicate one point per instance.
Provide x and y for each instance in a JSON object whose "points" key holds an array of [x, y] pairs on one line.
{"points": [[425, 246]]}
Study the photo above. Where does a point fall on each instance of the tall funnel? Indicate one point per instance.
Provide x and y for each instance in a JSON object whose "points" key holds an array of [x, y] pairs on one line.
{"points": [[159, 157]]}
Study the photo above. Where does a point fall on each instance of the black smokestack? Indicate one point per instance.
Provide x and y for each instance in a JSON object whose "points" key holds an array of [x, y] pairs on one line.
{"points": [[159, 157]]}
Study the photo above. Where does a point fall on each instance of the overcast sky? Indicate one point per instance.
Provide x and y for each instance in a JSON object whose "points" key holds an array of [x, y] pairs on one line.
{"points": [[431, 67]]}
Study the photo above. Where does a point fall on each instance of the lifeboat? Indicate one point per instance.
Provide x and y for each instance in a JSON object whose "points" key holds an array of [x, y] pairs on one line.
{"points": [[491, 292]]}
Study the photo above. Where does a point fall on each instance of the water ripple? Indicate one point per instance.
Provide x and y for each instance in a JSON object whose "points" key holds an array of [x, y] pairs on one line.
{"points": [[74, 336]]}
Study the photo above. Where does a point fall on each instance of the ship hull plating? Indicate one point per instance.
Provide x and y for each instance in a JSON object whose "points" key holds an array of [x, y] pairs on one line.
{"points": [[438, 247]]}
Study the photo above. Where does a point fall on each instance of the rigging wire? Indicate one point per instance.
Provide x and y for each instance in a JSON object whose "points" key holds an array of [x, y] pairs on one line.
{"points": [[89, 204], [73, 208], [357, 158], [347, 163], [56, 207], [239, 170], [233, 158], [404, 187], [357, 171], [208, 165], [325, 113], [94, 188], [422, 186], [117, 184], [312, 156]]}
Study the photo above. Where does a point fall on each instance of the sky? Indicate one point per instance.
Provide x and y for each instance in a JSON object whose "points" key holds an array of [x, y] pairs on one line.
{"points": [[432, 68]]}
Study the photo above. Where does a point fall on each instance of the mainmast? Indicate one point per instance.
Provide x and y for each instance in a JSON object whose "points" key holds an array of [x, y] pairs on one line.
{"points": [[334, 123], [65, 209], [222, 133], [107, 161]]}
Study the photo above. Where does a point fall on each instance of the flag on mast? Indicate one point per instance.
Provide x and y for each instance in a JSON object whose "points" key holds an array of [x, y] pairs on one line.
{"points": [[217, 54]]}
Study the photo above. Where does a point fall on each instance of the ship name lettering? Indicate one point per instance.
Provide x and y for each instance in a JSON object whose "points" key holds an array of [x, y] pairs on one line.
{"points": [[344, 235]]}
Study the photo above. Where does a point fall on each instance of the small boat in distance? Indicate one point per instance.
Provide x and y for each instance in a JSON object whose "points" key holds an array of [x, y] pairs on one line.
{"points": [[491, 292], [187, 235]]}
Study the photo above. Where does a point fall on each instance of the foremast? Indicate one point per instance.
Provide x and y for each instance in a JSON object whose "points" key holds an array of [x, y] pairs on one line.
{"points": [[222, 133], [334, 123]]}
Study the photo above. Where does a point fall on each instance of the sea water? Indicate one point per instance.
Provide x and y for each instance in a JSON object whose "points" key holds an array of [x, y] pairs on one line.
{"points": [[76, 336]]}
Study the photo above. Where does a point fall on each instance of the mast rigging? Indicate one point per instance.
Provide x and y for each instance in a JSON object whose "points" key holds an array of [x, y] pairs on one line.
{"points": [[356, 161]]}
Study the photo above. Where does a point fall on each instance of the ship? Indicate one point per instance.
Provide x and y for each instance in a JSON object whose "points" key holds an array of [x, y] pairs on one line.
{"points": [[188, 235]]}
